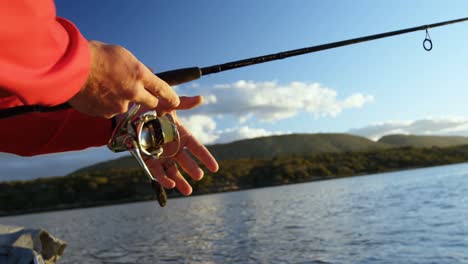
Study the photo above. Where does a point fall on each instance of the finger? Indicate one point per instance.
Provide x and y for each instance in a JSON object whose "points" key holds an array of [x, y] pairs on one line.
{"points": [[200, 151], [189, 165], [186, 103], [142, 96], [181, 184], [150, 68], [190, 102], [159, 174], [158, 87], [165, 181], [118, 108]]}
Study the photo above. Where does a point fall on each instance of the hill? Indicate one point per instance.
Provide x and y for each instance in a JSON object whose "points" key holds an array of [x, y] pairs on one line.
{"points": [[423, 141], [294, 144], [127, 162], [269, 147], [300, 144], [92, 188]]}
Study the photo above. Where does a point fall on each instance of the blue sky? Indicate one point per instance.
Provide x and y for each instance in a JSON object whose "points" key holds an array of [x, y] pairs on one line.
{"points": [[371, 89]]}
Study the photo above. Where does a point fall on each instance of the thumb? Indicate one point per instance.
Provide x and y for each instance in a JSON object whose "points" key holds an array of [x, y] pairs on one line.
{"points": [[186, 103], [190, 102]]}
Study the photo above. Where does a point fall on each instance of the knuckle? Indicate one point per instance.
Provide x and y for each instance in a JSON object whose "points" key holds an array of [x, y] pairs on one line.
{"points": [[153, 103], [156, 102], [139, 71], [147, 102], [108, 116], [121, 108], [119, 49], [113, 50], [131, 93]]}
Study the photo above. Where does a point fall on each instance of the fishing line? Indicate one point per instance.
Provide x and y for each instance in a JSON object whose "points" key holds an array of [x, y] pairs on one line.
{"points": [[175, 77]]}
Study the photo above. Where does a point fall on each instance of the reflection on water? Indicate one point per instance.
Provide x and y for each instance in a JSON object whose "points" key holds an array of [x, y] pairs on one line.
{"points": [[416, 216]]}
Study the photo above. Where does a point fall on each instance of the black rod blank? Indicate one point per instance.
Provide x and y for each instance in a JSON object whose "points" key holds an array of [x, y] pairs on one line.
{"points": [[297, 52], [179, 76]]}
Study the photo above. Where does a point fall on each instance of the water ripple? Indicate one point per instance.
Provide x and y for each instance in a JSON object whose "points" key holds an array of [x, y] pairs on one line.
{"points": [[416, 216]]}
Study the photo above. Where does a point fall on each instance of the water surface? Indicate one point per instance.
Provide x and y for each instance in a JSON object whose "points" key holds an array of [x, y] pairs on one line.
{"points": [[415, 216]]}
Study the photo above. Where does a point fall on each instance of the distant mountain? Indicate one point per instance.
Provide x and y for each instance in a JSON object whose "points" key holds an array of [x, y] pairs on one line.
{"points": [[120, 163], [299, 144], [423, 141], [273, 146], [269, 147]]}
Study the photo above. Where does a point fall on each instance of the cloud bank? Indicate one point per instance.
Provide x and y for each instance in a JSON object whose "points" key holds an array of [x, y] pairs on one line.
{"points": [[204, 129], [263, 102], [428, 126], [271, 101]]}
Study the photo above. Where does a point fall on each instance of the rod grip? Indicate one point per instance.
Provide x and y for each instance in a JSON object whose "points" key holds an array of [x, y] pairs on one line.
{"points": [[179, 76]]}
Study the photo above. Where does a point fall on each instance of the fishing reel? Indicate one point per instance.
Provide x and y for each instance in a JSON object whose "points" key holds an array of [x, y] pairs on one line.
{"points": [[146, 136]]}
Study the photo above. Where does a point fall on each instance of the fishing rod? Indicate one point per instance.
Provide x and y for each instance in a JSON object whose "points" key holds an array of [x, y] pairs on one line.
{"points": [[146, 135], [179, 76]]}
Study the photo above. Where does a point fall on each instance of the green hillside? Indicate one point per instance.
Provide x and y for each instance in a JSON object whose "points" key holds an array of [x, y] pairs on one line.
{"points": [[300, 144], [127, 162], [269, 147], [92, 188], [295, 144], [423, 141]]}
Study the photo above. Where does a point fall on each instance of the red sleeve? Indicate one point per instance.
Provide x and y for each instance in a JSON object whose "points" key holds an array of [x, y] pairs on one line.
{"points": [[44, 60], [41, 133]]}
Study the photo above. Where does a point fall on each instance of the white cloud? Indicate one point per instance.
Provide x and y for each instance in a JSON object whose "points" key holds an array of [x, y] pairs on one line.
{"points": [[243, 132], [270, 101], [427, 126], [202, 127], [357, 100], [210, 99]]}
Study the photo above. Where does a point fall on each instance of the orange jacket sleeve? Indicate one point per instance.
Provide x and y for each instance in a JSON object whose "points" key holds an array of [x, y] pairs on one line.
{"points": [[44, 60]]}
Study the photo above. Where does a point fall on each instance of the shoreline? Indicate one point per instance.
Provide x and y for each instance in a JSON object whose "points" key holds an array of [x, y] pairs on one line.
{"points": [[64, 207]]}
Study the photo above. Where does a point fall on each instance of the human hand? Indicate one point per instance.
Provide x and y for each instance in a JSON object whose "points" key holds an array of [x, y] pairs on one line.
{"points": [[117, 79], [165, 171]]}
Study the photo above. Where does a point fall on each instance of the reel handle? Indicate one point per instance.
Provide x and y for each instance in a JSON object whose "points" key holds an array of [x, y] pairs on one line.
{"points": [[161, 195], [160, 192]]}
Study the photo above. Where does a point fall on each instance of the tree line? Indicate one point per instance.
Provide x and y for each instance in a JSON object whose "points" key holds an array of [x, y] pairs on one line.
{"points": [[92, 188]]}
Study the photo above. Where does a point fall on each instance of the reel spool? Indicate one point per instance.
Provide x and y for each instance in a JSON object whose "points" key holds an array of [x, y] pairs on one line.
{"points": [[145, 136]]}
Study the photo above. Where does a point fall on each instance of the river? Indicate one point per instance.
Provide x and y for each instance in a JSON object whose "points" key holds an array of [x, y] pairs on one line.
{"points": [[414, 216]]}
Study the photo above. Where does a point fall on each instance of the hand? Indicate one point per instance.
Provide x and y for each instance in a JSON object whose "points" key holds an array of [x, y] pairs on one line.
{"points": [[115, 80], [166, 171]]}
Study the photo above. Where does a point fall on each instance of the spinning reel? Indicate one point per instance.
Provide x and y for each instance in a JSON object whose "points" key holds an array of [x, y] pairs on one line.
{"points": [[146, 135]]}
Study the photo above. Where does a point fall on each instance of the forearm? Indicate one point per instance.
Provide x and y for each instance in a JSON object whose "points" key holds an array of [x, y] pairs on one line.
{"points": [[42, 133]]}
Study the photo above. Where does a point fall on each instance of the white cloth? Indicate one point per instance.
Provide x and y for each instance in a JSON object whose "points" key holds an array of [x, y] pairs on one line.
{"points": [[19, 245]]}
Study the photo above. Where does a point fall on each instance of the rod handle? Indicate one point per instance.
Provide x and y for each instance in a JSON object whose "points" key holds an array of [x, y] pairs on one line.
{"points": [[179, 76]]}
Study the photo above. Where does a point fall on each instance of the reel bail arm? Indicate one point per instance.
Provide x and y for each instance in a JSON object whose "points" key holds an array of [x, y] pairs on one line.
{"points": [[145, 136]]}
